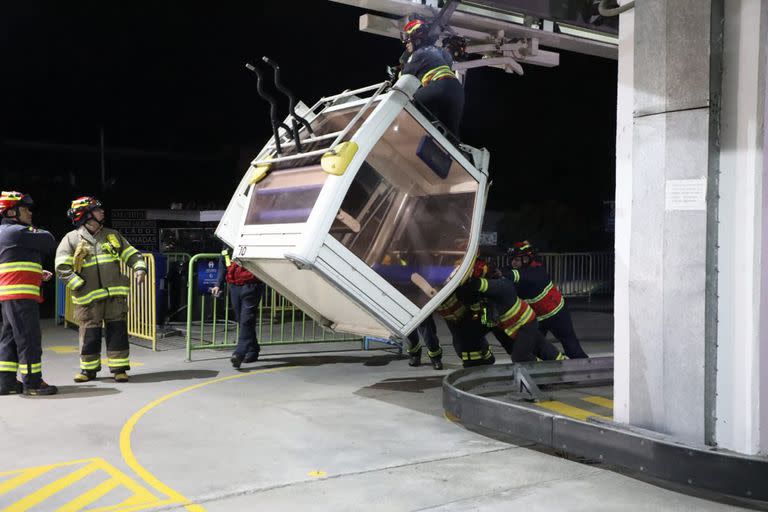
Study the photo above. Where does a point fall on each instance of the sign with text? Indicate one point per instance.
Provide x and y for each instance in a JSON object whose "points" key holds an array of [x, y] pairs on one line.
{"points": [[135, 227]]}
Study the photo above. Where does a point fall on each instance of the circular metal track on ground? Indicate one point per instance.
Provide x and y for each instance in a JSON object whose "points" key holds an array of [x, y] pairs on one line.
{"points": [[483, 399]]}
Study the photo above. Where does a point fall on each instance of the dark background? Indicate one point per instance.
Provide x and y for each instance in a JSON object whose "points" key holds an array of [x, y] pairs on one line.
{"points": [[165, 82]]}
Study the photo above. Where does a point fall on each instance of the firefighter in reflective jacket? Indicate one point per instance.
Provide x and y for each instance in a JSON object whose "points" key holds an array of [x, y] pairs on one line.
{"points": [[535, 286], [22, 249], [88, 261], [245, 291], [441, 92], [480, 306]]}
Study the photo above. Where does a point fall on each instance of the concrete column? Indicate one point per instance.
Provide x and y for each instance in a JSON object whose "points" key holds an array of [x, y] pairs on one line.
{"points": [[663, 326], [742, 352]]}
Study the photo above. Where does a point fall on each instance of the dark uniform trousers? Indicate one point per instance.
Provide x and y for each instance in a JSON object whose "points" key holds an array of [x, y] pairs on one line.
{"points": [[561, 327], [111, 313], [245, 301], [20, 343], [426, 331], [445, 100]]}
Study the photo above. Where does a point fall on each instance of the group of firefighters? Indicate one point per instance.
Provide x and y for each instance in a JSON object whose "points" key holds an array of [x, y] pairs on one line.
{"points": [[88, 260], [518, 304]]}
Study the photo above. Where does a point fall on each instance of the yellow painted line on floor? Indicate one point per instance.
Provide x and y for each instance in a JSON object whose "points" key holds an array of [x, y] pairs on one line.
{"points": [[42, 494], [141, 498], [90, 496], [599, 400], [127, 451], [317, 474], [569, 410]]}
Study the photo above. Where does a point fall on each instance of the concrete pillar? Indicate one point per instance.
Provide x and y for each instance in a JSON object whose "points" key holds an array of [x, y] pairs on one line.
{"points": [[742, 352], [666, 259]]}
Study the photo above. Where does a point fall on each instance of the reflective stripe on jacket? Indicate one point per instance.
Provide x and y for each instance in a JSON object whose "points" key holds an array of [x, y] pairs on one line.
{"points": [[90, 264], [22, 249], [535, 286]]}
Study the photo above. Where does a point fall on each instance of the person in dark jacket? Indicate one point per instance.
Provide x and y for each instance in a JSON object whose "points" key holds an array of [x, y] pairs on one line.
{"points": [[535, 286], [245, 292], [22, 250], [441, 92]]}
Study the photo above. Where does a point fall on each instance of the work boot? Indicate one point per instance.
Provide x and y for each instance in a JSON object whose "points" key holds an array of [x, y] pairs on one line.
{"points": [[415, 358], [236, 361], [12, 389], [43, 390], [85, 376], [437, 362], [121, 377], [251, 357]]}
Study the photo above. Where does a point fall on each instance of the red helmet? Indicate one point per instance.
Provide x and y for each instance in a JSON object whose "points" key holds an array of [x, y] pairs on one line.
{"points": [[79, 211], [524, 248], [416, 31], [12, 199]]}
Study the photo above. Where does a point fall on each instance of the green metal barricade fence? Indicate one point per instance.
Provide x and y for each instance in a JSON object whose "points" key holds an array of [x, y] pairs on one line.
{"points": [[278, 323]]}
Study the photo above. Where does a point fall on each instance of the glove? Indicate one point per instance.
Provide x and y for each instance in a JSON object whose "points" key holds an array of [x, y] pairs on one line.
{"points": [[469, 292], [140, 277], [82, 251]]}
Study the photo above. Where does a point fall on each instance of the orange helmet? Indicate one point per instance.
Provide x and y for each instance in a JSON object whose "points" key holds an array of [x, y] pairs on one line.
{"points": [[80, 210], [12, 199]]}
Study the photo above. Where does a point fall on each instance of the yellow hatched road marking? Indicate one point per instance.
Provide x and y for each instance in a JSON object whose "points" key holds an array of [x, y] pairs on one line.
{"points": [[89, 497], [141, 498], [569, 410], [49, 490], [599, 400]]}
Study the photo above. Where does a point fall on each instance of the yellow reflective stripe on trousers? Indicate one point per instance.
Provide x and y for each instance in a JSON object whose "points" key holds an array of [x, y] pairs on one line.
{"points": [[128, 252], [475, 355], [118, 362], [101, 293], [9, 366], [542, 294], [32, 368], [554, 311], [17, 266], [13, 289], [90, 365]]}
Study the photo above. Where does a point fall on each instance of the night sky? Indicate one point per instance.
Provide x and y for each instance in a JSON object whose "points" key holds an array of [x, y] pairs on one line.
{"points": [[181, 119]]}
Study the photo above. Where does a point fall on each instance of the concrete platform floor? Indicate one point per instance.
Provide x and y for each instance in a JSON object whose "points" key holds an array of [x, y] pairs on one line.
{"points": [[338, 429]]}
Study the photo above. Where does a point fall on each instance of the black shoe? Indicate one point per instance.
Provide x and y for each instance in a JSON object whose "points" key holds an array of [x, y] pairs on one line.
{"points": [[414, 358], [43, 390], [12, 389], [236, 361], [251, 357], [437, 363]]}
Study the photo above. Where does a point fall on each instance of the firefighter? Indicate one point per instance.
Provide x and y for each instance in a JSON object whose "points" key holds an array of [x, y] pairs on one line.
{"points": [[441, 92], [245, 291], [22, 250], [426, 331], [535, 286], [88, 261]]}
